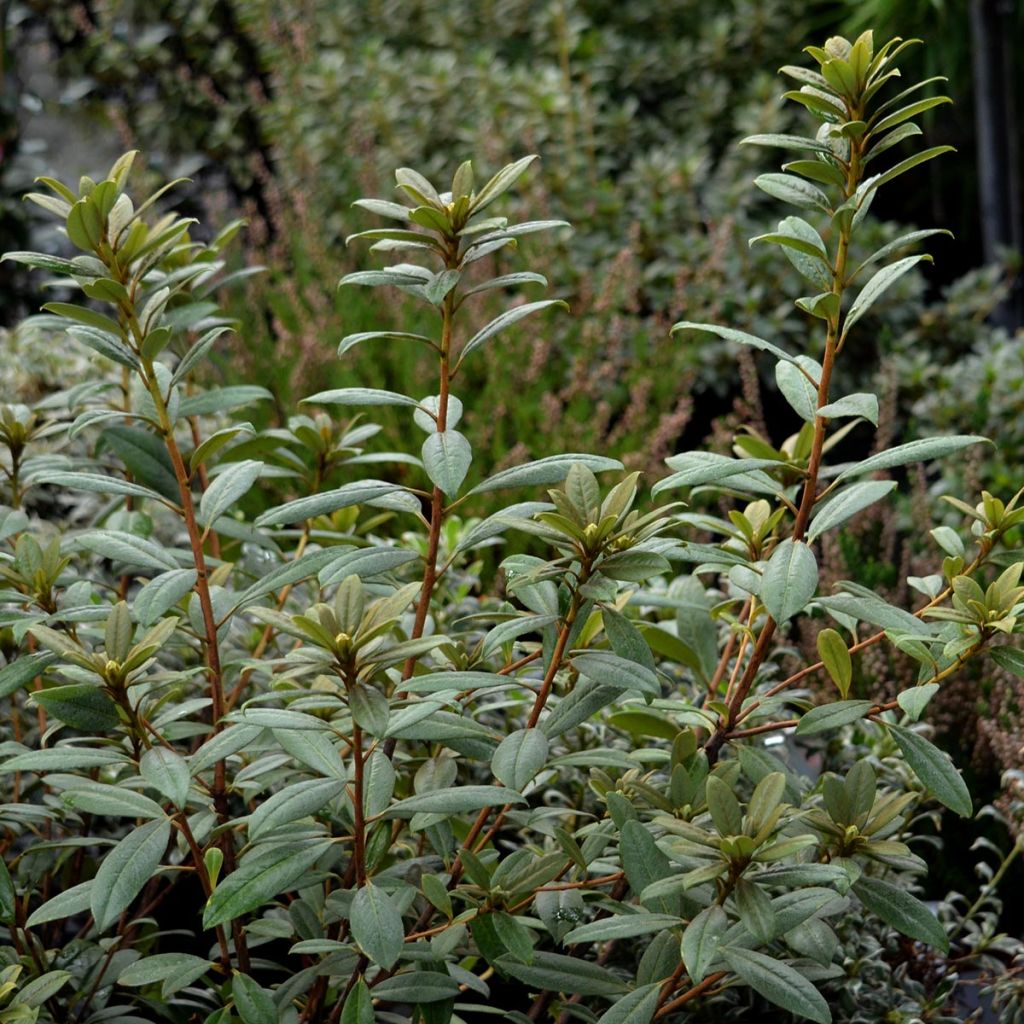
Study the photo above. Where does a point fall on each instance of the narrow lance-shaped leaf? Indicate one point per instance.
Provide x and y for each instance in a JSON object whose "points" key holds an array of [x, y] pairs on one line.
{"points": [[506, 319]]}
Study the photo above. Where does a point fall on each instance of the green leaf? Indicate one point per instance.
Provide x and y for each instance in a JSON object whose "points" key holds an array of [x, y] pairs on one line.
{"points": [[447, 457], [900, 243], [935, 769], [146, 456], [832, 716], [912, 161], [162, 593], [835, 656], [80, 705], [907, 112], [506, 319], [115, 801], [897, 907], [223, 400], [39, 990], [1009, 658], [790, 580], [126, 870], [65, 904], [359, 396], [555, 972], [623, 926], [878, 284], [357, 493], [913, 451], [126, 549], [7, 896], [500, 183], [859, 404], [778, 983], [351, 340], [167, 772], [800, 392], [701, 940], [175, 970], [299, 800], [226, 488], [258, 879], [794, 233], [794, 190], [636, 1008], [377, 926], [519, 757], [63, 758], [18, 673], [86, 316], [740, 337], [97, 483], [552, 470], [453, 801], [252, 1002], [787, 142], [916, 699], [612, 670], [417, 987], [845, 504], [358, 1006]]}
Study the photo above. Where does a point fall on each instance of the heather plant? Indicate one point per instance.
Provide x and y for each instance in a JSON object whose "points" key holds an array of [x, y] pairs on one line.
{"points": [[277, 754]]}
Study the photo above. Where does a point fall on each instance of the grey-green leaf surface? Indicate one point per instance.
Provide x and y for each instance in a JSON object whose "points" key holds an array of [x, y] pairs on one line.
{"points": [[125, 871], [913, 451], [879, 283], [258, 879], [897, 907], [935, 769], [550, 470], [790, 580], [845, 504], [226, 488], [377, 925], [447, 457], [778, 983], [519, 757]]}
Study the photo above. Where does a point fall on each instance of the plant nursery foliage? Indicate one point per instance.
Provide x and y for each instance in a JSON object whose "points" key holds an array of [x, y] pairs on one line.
{"points": [[299, 766]]}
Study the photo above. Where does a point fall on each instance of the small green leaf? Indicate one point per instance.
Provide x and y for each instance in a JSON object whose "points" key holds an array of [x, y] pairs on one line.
{"points": [[916, 699], [790, 580], [167, 772], [506, 319], [701, 940], [778, 983], [835, 656], [125, 871], [845, 504], [447, 457], [358, 1006], [454, 801], [252, 1002], [259, 878], [226, 488], [935, 770], [897, 907], [299, 800], [377, 926], [832, 716], [636, 1008], [519, 757]]}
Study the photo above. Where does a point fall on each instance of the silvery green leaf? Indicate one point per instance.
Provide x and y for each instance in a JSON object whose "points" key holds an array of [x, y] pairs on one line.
{"points": [[790, 580], [447, 457]]}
